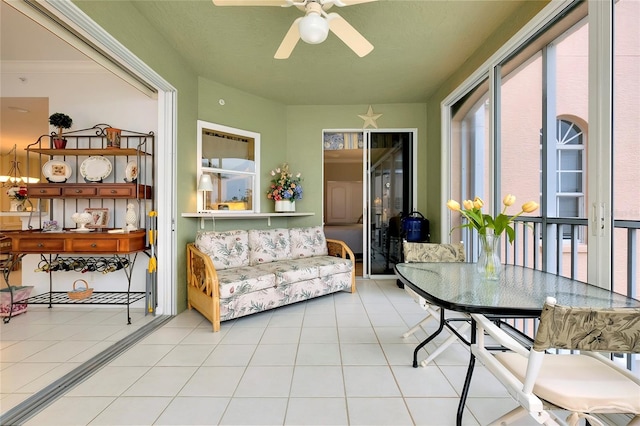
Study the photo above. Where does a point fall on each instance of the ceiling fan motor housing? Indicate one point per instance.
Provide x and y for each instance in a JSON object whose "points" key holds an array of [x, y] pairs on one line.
{"points": [[313, 28]]}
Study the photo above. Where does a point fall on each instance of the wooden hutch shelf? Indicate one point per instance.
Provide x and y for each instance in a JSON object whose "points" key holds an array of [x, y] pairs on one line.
{"points": [[117, 189]]}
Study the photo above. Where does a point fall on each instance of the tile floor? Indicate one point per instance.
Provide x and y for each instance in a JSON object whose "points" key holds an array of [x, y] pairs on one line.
{"points": [[334, 360], [42, 345]]}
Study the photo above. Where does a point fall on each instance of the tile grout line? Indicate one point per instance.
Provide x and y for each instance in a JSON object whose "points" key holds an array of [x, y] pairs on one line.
{"points": [[41, 399]]}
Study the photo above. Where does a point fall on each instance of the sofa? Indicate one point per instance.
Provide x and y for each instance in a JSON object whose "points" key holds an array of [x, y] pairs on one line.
{"points": [[231, 274]]}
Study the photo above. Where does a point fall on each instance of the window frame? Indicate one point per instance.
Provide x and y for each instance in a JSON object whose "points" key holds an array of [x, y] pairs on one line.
{"points": [[599, 119], [254, 175]]}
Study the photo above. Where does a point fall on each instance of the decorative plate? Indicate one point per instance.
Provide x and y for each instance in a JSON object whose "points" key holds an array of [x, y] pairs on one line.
{"points": [[131, 171], [56, 171], [95, 168], [81, 230]]}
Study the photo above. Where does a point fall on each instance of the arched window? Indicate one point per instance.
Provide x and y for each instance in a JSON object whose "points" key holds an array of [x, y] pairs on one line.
{"points": [[570, 166]]}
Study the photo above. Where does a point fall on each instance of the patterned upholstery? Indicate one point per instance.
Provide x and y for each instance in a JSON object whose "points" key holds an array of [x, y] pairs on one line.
{"points": [[235, 273], [269, 245], [584, 383], [308, 242], [432, 252], [229, 249], [588, 329]]}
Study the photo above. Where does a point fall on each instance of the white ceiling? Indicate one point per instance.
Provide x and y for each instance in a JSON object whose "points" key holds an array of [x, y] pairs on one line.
{"points": [[22, 40]]}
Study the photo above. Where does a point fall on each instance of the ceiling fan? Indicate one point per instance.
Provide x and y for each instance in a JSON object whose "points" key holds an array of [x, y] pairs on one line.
{"points": [[314, 27]]}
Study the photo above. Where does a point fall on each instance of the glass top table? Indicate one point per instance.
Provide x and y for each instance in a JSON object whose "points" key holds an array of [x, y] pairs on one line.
{"points": [[520, 291]]}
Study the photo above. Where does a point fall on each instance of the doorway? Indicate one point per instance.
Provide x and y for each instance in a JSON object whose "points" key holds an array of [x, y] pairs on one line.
{"points": [[368, 185], [36, 23]]}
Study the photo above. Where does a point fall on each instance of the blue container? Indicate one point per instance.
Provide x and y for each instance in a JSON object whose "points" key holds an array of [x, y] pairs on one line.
{"points": [[415, 229]]}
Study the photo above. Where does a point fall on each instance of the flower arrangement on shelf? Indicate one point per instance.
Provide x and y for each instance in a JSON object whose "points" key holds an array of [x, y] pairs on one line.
{"points": [[285, 185], [18, 193], [472, 210]]}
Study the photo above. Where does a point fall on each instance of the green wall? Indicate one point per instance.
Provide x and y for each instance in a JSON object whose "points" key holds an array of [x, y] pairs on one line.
{"points": [[433, 164], [123, 21], [289, 133], [304, 140]]}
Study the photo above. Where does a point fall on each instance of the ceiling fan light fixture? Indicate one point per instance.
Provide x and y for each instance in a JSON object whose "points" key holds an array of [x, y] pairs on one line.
{"points": [[314, 29]]}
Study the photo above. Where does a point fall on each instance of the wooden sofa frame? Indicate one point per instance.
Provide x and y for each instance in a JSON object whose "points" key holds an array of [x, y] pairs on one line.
{"points": [[203, 291]]}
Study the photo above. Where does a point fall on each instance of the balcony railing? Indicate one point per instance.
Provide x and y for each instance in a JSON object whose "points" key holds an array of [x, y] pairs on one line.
{"points": [[559, 245]]}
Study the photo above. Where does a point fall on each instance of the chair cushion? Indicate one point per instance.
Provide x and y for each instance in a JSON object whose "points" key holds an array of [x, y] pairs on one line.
{"points": [[433, 252], [228, 249], [578, 383], [308, 242], [269, 245]]}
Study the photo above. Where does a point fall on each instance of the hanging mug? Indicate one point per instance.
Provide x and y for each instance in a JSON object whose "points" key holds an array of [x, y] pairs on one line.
{"points": [[113, 137]]}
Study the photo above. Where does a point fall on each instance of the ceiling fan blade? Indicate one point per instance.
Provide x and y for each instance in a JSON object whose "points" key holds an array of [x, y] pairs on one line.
{"points": [[289, 42], [342, 3], [250, 2], [349, 35]]}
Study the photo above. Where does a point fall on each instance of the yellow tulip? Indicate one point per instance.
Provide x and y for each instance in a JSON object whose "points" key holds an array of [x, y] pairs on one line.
{"points": [[453, 205], [478, 203], [468, 204], [509, 200], [530, 206]]}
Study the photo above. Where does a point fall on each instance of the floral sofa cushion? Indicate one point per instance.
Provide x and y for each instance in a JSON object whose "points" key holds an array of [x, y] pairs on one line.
{"points": [[308, 242], [229, 249], [330, 265], [247, 279], [251, 303], [305, 290], [288, 271], [268, 245]]}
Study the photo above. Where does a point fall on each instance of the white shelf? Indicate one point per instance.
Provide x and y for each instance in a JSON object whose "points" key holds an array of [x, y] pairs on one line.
{"points": [[222, 216], [244, 215]]}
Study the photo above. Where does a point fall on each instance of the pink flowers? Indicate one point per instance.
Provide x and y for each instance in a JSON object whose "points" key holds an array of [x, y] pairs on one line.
{"points": [[284, 185]]}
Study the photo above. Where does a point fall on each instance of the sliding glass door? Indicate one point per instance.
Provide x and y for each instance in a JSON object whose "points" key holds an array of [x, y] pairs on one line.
{"points": [[369, 186], [553, 118], [390, 197]]}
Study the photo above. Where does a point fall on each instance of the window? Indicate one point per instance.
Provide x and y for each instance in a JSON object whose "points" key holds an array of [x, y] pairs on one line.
{"points": [[520, 130], [229, 157], [557, 122], [570, 167]]}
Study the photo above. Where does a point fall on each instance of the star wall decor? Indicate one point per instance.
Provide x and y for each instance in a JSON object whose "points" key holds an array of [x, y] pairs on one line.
{"points": [[370, 118]]}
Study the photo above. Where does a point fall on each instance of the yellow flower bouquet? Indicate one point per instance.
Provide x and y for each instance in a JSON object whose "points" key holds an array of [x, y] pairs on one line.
{"points": [[482, 222], [489, 265]]}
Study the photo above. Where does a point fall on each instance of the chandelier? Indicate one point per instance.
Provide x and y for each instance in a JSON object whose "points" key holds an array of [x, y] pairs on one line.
{"points": [[15, 176]]}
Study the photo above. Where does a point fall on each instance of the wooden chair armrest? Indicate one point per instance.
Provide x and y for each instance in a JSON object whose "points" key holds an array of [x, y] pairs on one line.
{"points": [[341, 249], [203, 291], [200, 271]]}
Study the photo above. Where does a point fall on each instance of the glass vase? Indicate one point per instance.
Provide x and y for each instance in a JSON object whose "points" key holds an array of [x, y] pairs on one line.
{"points": [[489, 266]]}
